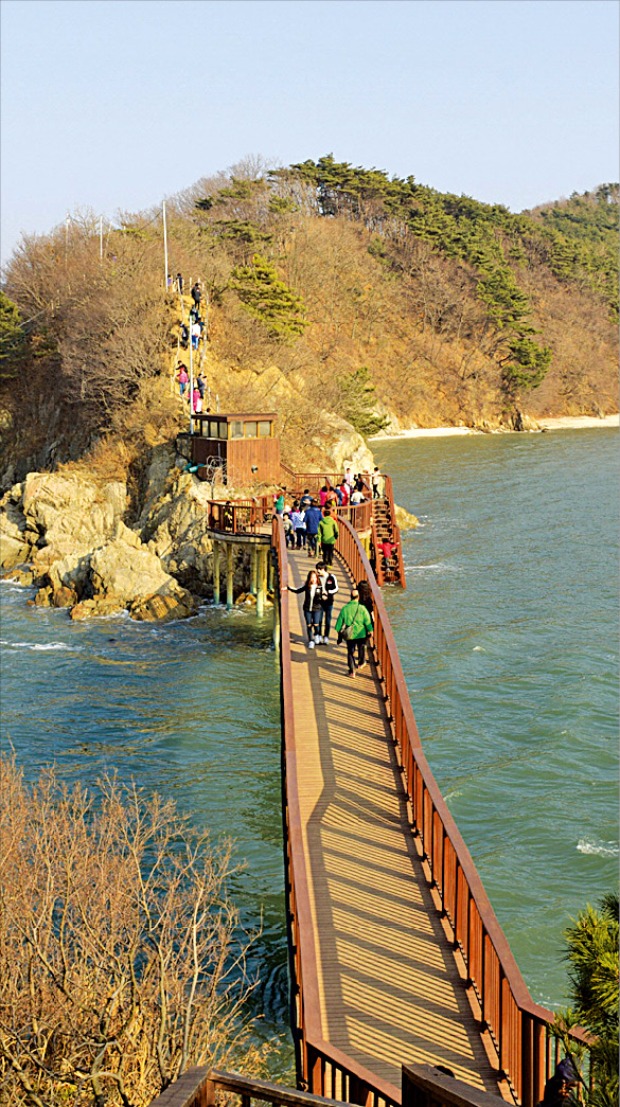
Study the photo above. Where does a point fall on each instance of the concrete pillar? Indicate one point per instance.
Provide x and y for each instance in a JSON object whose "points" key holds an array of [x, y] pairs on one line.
{"points": [[254, 569], [230, 573], [216, 572], [262, 580], [276, 616]]}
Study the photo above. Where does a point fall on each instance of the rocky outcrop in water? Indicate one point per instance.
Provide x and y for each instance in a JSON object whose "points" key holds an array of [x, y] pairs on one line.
{"points": [[70, 532]]}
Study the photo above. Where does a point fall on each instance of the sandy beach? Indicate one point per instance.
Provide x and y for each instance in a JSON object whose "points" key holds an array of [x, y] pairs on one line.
{"points": [[565, 422]]}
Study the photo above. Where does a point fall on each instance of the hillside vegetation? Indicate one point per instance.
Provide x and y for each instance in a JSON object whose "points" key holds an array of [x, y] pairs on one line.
{"points": [[330, 290]]}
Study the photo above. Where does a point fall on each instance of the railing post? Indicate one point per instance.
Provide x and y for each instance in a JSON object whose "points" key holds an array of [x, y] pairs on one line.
{"points": [[208, 1094]]}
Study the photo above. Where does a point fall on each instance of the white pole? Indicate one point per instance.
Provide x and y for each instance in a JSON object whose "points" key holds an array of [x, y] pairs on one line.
{"points": [[101, 237], [163, 208]]}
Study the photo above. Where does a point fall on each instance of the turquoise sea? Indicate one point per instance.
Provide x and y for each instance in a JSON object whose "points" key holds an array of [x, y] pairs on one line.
{"points": [[508, 633]]}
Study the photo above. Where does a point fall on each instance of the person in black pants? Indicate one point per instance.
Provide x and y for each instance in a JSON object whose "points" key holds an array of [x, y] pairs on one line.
{"points": [[329, 587], [312, 606]]}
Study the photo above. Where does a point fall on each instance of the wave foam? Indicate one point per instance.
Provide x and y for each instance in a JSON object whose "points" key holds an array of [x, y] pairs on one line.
{"points": [[40, 646], [435, 567], [601, 849]]}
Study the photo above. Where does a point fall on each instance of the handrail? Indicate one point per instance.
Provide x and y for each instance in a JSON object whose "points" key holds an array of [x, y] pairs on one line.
{"points": [[325, 1069], [237, 516], [519, 1028], [197, 1087]]}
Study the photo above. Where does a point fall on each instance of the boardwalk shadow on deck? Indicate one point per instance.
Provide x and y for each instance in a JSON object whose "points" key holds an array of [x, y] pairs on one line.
{"points": [[390, 983]]}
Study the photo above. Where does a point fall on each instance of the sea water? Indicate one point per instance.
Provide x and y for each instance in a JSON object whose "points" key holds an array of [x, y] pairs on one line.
{"points": [[508, 637], [508, 633]]}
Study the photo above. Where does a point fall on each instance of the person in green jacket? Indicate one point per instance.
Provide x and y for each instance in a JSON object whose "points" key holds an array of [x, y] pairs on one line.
{"points": [[328, 533], [356, 616]]}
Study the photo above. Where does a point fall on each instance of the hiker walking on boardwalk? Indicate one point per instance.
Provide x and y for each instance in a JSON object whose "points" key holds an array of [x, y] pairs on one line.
{"points": [[312, 606], [328, 534], [313, 518], [179, 283], [196, 294], [298, 519], [329, 587], [354, 626]]}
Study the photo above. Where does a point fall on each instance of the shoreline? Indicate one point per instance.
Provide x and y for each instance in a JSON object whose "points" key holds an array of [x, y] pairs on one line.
{"points": [[561, 422]]}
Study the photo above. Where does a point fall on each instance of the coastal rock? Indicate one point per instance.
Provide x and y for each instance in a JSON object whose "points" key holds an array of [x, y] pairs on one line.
{"points": [[13, 550], [99, 607], [175, 529], [522, 422], [63, 597], [70, 572], [68, 515], [163, 608], [25, 577], [158, 479], [344, 445], [405, 520], [127, 570], [14, 544]]}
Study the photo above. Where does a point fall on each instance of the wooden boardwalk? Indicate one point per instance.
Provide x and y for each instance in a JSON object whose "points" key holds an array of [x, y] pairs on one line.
{"points": [[390, 988]]}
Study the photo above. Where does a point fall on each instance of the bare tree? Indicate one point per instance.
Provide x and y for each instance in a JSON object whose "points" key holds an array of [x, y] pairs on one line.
{"points": [[119, 956]]}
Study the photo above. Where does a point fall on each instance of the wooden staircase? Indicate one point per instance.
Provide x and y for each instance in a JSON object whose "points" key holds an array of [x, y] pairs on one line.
{"points": [[385, 527]]}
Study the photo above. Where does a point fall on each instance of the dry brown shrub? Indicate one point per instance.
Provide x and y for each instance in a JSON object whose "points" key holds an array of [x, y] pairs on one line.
{"points": [[120, 964]]}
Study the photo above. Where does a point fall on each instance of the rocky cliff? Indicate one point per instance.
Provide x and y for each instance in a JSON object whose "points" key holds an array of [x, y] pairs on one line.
{"points": [[72, 534]]}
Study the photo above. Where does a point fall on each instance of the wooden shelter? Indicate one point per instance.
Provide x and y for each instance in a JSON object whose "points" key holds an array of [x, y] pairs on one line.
{"points": [[244, 444]]}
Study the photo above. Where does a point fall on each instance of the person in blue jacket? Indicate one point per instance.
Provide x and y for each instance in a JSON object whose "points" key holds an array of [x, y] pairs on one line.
{"points": [[313, 518]]}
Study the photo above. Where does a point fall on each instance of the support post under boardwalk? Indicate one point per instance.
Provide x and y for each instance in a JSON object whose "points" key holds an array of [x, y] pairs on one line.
{"points": [[230, 573], [276, 617], [262, 580], [216, 572], [254, 570]]}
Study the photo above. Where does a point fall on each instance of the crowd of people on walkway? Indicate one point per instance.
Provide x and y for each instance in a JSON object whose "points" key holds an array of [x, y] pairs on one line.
{"points": [[310, 523], [355, 622]]}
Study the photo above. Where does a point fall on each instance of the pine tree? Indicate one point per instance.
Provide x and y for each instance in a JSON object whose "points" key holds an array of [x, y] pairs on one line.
{"points": [[269, 299], [358, 400], [592, 953], [13, 342]]}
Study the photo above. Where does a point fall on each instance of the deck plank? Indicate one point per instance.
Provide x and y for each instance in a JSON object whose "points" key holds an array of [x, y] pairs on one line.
{"points": [[390, 988]]}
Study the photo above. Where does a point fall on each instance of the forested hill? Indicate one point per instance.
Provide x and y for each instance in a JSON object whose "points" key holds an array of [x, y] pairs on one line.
{"points": [[331, 290]]}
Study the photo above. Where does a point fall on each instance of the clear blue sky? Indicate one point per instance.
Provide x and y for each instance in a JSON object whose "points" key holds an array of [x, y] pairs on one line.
{"points": [[113, 105]]}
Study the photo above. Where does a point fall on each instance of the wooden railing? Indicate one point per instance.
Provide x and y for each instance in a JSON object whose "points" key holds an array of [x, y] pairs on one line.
{"points": [[519, 1028], [325, 1070], [204, 1087], [237, 516], [422, 1086]]}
